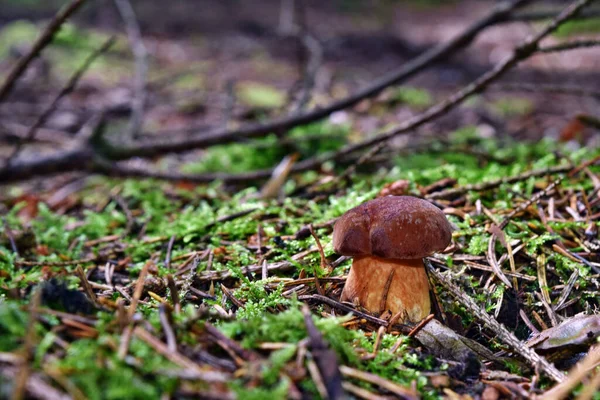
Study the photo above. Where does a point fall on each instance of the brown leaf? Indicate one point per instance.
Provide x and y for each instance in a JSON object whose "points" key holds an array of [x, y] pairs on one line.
{"points": [[572, 131], [397, 188]]}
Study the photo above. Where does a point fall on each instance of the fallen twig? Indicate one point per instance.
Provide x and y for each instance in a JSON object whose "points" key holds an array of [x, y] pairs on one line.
{"points": [[68, 88], [42, 41], [498, 182], [504, 334], [141, 65], [151, 148], [325, 358]]}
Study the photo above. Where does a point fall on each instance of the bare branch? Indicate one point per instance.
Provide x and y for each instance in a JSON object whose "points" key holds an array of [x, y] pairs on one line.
{"points": [[527, 16], [547, 88], [44, 40], [504, 334], [572, 45], [437, 53], [141, 65], [68, 88], [98, 160]]}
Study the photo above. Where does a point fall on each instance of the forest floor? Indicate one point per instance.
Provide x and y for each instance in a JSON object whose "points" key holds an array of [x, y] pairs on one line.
{"points": [[136, 288]]}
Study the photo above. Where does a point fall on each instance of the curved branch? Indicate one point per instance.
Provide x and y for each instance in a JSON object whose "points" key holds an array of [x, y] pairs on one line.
{"points": [[64, 161], [499, 14], [44, 40]]}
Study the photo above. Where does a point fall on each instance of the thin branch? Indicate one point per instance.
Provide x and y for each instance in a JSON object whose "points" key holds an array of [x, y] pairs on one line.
{"points": [[521, 52], [573, 45], [44, 40], [68, 88], [504, 334], [547, 88], [315, 60], [141, 65], [435, 54], [497, 182], [527, 16]]}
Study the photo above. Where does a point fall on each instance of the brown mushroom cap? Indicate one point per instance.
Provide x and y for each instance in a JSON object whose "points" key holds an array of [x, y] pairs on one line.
{"points": [[398, 227]]}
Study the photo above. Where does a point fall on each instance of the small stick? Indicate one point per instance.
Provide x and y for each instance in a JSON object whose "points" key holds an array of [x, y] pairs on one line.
{"points": [[169, 251], [139, 288], [504, 334], [11, 238], [231, 297], [529, 202], [86, 285], [28, 348], [125, 340], [398, 390], [577, 373], [572, 45], [420, 325], [497, 182], [174, 293], [44, 40], [141, 65], [163, 350], [265, 270], [386, 289], [361, 393], [68, 88], [380, 333], [163, 314], [343, 307], [259, 239], [313, 370], [55, 263], [323, 260]]}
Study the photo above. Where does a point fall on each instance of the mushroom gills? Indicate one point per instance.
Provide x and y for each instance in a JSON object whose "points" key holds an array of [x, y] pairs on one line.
{"points": [[379, 284]]}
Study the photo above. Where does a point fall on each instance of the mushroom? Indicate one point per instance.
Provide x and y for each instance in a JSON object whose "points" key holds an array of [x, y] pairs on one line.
{"points": [[388, 238]]}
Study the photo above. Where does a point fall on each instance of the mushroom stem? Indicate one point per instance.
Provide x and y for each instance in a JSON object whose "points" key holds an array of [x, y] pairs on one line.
{"points": [[379, 284]]}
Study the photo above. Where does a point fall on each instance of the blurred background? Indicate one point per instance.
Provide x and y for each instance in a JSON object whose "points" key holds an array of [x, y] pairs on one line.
{"points": [[216, 64]]}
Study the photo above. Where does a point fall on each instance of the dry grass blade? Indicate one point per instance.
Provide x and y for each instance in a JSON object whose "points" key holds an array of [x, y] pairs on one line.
{"points": [[576, 374], [22, 377], [497, 182], [139, 288], [390, 386], [325, 358], [274, 185], [491, 256], [163, 313], [592, 388], [343, 307], [362, 393], [179, 359], [86, 285], [141, 65]]}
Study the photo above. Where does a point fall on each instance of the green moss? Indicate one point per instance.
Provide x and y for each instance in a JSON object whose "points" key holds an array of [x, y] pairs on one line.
{"points": [[16, 34], [260, 95], [267, 152], [512, 106], [589, 25], [413, 97]]}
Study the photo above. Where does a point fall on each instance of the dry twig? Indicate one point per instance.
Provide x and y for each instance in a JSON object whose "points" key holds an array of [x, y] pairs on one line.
{"points": [[504, 334], [44, 40], [141, 65]]}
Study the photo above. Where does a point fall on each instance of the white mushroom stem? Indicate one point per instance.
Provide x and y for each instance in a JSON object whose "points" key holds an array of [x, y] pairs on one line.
{"points": [[378, 284]]}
